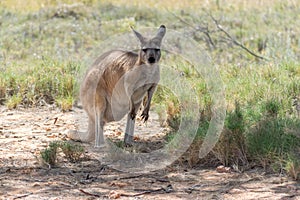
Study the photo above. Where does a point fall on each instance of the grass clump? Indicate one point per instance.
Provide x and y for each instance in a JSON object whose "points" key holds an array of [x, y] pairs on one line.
{"points": [[292, 165], [13, 101], [270, 141], [168, 107], [45, 82], [49, 154], [231, 147], [271, 108], [65, 103], [72, 152]]}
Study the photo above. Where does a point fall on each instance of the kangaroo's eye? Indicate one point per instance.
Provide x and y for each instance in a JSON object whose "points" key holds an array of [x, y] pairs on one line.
{"points": [[144, 50], [157, 50]]}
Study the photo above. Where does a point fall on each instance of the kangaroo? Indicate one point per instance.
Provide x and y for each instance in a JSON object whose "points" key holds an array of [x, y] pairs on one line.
{"points": [[116, 84]]}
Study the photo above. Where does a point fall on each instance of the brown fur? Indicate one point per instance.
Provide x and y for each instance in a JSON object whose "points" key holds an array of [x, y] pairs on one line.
{"points": [[116, 85]]}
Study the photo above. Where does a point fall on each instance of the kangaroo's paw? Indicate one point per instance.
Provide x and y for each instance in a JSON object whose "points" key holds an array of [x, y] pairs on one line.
{"points": [[145, 116]]}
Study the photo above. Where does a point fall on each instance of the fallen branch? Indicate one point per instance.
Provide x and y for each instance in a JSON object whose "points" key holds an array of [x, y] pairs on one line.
{"points": [[23, 195], [207, 33], [151, 175], [132, 176], [168, 189], [220, 28], [141, 193], [220, 187], [87, 193]]}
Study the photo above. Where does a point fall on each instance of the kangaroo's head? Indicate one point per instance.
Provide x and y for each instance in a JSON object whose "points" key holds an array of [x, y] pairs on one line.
{"points": [[150, 47]]}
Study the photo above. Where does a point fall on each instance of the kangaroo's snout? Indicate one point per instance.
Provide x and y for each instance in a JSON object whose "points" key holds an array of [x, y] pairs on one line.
{"points": [[150, 55], [151, 60]]}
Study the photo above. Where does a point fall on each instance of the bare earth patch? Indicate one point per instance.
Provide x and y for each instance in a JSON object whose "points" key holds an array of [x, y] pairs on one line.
{"points": [[25, 132]]}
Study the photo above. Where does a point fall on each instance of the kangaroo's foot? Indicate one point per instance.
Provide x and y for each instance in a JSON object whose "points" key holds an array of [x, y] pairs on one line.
{"points": [[74, 135], [79, 136], [100, 146], [128, 140]]}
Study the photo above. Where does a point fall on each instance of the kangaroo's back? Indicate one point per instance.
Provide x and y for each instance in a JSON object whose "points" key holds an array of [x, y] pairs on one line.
{"points": [[105, 72]]}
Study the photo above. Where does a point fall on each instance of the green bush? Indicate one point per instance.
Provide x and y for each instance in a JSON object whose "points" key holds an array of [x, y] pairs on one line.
{"points": [[49, 154], [292, 165], [271, 142], [72, 152]]}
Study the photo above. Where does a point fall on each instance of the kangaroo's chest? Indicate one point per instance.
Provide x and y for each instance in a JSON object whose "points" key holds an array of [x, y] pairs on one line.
{"points": [[133, 86], [140, 78]]}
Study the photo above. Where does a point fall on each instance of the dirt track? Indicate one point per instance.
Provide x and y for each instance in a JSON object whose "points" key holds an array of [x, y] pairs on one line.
{"points": [[24, 132]]}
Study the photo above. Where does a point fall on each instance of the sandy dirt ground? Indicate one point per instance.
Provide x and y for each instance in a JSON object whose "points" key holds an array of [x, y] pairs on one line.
{"points": [[25, 132]]}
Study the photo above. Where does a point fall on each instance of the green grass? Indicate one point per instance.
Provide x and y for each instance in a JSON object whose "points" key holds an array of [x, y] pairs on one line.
{"points": [[49, 154], [71, 151], [39, 81], [45, 47], [273, 140]]}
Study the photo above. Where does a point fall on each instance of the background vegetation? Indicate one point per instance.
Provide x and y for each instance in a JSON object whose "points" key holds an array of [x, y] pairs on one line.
{"points": [[43, 45]]}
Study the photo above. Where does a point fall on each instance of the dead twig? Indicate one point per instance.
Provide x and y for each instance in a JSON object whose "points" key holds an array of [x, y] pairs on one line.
{"points": [[55, 120], [132, 176], [202, 29], [209, 39], [87, 193], [167, 189], [221, 187], [139, 194], [220, 28], [23, 195]]}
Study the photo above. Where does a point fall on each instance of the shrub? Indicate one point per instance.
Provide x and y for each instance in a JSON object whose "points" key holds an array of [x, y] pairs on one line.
{"points": [[270, 141], [49, 154], [292, 165], [13, 101], [72, 152], [231, 147]]}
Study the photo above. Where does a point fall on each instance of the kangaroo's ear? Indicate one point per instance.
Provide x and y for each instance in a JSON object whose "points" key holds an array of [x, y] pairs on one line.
{"points": [[138, 35], [161, 32]]}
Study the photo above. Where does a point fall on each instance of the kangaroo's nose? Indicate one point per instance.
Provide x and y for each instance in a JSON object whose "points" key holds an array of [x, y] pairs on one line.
{"points": [[151, 60]]}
